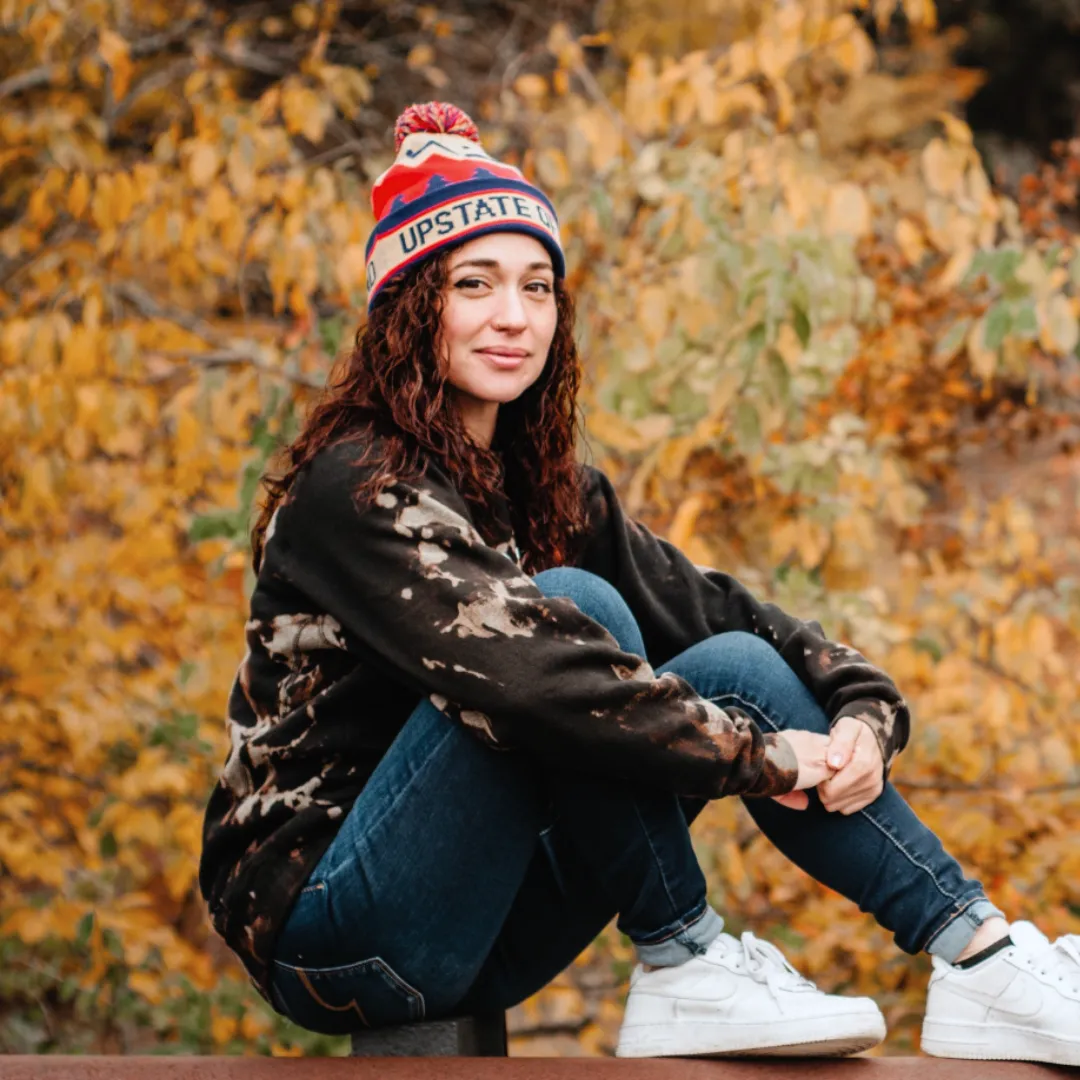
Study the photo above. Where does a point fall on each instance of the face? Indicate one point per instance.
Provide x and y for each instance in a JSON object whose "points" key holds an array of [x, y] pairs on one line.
{"points": [[498, 322]]}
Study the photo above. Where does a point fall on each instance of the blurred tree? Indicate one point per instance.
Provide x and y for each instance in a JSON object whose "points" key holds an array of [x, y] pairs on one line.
{"points": [[823, 352]]}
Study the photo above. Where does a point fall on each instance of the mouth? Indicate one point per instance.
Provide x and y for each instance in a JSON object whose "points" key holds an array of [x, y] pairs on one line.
{"points": [[504, 358]]}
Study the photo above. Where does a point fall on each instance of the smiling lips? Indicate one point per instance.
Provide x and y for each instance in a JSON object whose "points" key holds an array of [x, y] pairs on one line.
{"points": [[504, 357]]}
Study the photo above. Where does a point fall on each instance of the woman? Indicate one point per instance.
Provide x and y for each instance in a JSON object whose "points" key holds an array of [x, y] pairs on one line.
{"points": [[480, 707]]}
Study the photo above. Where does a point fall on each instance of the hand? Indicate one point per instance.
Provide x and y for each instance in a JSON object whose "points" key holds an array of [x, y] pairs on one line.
{"points": [[810, 750], [858, 769]]}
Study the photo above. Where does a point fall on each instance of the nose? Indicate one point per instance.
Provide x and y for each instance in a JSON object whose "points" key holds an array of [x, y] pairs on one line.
{"points": [[509, 315]]}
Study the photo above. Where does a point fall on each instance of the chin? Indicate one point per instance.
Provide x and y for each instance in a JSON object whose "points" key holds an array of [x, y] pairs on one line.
{"points": [[501, 393]]}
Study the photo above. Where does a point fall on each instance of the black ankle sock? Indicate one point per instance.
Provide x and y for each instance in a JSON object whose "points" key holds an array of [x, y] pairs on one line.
{"points": [[986, 953]]}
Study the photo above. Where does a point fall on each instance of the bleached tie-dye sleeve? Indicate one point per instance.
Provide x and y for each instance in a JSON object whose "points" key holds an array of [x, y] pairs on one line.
{"points": [[678, 604], [414, 588]]}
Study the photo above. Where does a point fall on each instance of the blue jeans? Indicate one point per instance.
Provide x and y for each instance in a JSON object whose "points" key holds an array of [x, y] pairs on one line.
{"points": [[464, 879]]}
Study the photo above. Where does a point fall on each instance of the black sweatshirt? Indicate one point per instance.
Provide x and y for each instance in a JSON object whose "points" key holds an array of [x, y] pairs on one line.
{"points": [[358, 614]]}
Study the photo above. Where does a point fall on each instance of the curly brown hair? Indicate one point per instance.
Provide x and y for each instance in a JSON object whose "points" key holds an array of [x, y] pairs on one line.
{"points": [[391, 394]]}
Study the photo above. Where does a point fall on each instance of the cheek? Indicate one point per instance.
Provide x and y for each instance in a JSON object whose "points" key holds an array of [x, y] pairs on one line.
{"points": [[460, 324], [544, 326]]}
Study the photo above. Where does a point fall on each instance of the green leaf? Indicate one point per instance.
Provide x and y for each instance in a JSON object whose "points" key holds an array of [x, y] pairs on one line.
{"points": [[755, 341], [998, 322], [954, 337], [331, 331], [801, 324], [747, 425], [86, 923], [220, 524], [1025, 323], [779, 376]]}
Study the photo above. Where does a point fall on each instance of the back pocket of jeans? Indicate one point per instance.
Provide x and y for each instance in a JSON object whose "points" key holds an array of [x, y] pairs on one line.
{"points": [[338, 1000]]}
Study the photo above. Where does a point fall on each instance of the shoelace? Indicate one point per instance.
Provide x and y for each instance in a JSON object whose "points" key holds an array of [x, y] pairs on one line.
{"points": [[765, 963], [1061, 962]]}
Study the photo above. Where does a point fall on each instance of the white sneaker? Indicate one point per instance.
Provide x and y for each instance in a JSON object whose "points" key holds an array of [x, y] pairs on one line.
{"points": [[1022, 1004], [741, 997]]}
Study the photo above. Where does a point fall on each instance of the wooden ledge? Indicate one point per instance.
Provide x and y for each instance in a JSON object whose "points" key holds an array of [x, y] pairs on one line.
{"points": [[48, 1067]]}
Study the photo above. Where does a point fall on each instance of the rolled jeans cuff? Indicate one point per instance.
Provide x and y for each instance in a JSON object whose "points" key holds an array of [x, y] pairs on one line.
{"points": [[676, 944], [956, 935]]}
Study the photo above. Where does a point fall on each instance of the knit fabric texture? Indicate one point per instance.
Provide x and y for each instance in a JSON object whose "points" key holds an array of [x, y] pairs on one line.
{"points": [[444, 189]]}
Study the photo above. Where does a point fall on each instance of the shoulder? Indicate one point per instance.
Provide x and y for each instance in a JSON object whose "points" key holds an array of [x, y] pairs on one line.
{"points": [[600, 496], [329, 484]]}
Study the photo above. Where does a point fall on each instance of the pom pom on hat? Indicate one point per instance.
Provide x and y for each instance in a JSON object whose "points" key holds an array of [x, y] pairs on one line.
{"points": [[436, 117], [444, 189]]}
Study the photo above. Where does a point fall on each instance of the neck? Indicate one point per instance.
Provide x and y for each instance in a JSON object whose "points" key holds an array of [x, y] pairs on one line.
{"points": [[479, 418]]}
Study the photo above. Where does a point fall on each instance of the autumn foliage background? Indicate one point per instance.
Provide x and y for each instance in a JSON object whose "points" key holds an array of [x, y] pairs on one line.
{"points": [[825, 352]]}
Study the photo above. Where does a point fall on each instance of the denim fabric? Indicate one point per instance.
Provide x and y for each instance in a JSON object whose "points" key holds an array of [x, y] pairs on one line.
{"points": [[465, 878], [882, 857]]}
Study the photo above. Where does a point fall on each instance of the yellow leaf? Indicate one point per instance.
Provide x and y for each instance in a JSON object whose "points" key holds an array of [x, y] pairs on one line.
{"points": [[531, 86], [240, 167], [943, 167], [847, 211], [614, 431], [304, 15], [147, 986], [956, 130], [654, 313], [114, 52], [984, 361], [222, 1028], [735, 101], [954, 271], [685, 520], [420, 56], [1058, 329], [204, 164], [909, 239], [351, 268], [305, 112], [552, 169]]}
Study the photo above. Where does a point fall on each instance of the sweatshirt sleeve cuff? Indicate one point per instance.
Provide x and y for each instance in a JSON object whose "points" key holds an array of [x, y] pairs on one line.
{"points": [[780, 768], [881, 718]]}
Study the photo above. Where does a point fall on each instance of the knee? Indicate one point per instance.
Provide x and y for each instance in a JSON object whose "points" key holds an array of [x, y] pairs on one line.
{"points": [[747, 659], [742, 650], [599, 599], [750, 670], [595, 597]]}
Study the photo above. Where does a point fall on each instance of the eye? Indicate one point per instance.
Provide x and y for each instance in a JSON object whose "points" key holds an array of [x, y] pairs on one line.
{"points": [[470, 284], [539, 287]]}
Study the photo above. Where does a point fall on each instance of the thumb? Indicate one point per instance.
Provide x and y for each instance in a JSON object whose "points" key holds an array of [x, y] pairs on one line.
{"points": [[841, 746]]}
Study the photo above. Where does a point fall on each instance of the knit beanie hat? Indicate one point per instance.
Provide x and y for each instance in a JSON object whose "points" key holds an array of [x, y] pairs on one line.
{"points": [[444, 189]]}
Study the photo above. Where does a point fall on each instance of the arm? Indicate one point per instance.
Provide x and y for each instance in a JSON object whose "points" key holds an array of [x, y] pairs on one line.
{"points": [[677, 605], [417, 591]]}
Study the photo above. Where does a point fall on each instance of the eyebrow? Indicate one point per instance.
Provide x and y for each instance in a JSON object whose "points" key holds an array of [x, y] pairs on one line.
{"points": [[493, 264]]}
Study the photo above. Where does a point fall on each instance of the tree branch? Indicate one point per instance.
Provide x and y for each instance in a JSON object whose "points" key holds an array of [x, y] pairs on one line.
{"points": [[156, 80], [32, 79], [221, 353], [227, 357], [248, 59], [950, 787], [44, 74]]}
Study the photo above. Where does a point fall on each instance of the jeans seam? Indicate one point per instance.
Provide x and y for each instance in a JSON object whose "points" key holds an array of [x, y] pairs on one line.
{"points": [[951, 917], [684, 924], [657, 862], [399, 794], [951, 897]]}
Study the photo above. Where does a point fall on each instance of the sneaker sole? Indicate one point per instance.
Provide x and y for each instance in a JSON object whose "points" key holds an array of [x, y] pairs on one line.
{"points": [[988, 1042], [696, 1039]]}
